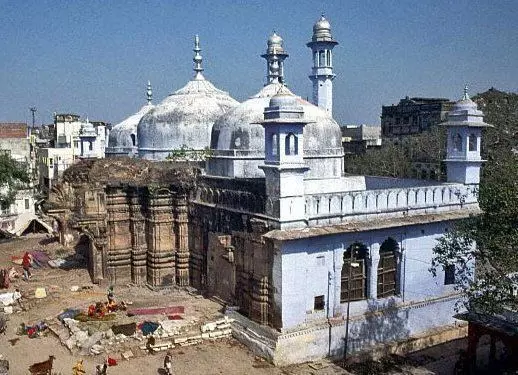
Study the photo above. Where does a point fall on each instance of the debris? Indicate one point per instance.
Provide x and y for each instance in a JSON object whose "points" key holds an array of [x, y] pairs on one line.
{"points": [[318, 365], [4, 367], [112, 361], [157, 310], [8, 310], [125, 329], [9, 298], [68, 313], [148, 327], [40, 293], [127, 354], [74, 288]]}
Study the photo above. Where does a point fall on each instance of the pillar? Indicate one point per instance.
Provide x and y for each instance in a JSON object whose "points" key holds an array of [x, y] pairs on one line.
{"points": [[373, 271]]}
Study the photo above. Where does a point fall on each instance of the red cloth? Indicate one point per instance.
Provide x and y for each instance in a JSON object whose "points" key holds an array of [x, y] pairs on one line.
{"points": [[112, 362], [26, 261]]}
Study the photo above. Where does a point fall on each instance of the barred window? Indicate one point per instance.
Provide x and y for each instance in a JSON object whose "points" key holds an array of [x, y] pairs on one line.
{"points": [[387, 269], [354, 274]]}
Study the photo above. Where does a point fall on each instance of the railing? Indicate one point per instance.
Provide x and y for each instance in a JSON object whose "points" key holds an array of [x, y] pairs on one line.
{"points": [[389, 200]]}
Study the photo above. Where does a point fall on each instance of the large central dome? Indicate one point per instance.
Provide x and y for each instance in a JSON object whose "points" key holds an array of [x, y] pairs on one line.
{"points": [[184, 119], [238, 139]]}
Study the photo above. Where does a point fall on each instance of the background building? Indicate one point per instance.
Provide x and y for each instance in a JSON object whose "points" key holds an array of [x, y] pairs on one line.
{"points": [[61, 144], [15, 142], [413, 115], [356, 139]]}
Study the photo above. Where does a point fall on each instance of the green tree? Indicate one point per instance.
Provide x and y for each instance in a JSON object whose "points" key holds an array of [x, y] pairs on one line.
{"points": [[13, 176], [488, 241]]}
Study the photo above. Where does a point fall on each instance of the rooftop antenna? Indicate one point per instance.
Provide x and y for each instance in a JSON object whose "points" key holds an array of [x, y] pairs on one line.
{"points": [[33, 110]]}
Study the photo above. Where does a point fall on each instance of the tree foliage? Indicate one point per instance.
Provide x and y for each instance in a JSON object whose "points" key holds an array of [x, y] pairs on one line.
{"points": [[396, 157], [13, 176]]}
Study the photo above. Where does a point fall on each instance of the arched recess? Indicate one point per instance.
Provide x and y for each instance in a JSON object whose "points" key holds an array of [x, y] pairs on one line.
{"points": [[291, 145], [388, 269], [354, 273]]}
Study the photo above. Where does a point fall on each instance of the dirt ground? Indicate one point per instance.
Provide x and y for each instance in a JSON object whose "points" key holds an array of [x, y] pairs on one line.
{"points": [[224, 356]]}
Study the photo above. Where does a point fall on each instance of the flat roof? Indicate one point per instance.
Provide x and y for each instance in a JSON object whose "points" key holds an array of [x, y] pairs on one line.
{"points": [[367, 225]]}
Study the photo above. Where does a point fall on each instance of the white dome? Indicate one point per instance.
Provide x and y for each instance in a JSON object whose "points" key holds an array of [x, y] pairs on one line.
{"points": [[123, 136], [240, 129], [184, 118]]}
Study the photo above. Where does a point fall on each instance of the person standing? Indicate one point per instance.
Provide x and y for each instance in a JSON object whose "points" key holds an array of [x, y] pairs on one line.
{"points": [[26, 264], [168, 363]]}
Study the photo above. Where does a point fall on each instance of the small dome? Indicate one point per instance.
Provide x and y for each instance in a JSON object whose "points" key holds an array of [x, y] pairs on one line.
{"points": [[275, 39], [123, 136], [275, 44], [183, 119], [464, 106], [322, 30], [283, 98], [322, 25]]}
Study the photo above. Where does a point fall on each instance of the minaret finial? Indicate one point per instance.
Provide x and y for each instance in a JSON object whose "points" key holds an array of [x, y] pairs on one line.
{"points": [[149, 93], [197, 59], [465, 96]]}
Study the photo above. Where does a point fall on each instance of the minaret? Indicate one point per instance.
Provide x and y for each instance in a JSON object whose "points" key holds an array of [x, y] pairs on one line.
{"points": [[284, 165], [149, 93], [198, 76], [322, 44], [275, 56], [464, 131]]}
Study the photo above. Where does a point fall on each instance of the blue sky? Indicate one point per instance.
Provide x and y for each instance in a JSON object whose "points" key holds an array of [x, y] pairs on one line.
{"points": [[95, 57]]}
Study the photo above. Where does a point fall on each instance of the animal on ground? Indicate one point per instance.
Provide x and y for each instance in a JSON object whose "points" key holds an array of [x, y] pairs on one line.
{"points": [[101, 369], [42, 368]]}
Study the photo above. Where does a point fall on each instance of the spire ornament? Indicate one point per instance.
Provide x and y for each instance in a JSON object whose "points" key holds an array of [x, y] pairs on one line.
{"points": [[197, 59], [465, 96], [149, 93]]}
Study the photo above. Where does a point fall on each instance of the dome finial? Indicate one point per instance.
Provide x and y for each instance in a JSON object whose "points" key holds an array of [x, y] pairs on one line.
{"points": [[465, 96], [149, 93], [197, 59]]}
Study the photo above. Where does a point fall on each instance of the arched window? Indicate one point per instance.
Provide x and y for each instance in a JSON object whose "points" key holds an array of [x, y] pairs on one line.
{"points": [[275, 144], [291, 146], [472, 142], [457, 142], [322, 58], [133, 140], [387, 268], [329, 63], [354, 274]]}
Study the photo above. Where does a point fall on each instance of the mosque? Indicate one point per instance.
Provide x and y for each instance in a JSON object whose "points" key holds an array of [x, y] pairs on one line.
{"points": [[311, 262]]}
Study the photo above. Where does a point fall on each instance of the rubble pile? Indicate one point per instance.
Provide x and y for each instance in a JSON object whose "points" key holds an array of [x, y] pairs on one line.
{"points": [[167, 339], [88, 340]]}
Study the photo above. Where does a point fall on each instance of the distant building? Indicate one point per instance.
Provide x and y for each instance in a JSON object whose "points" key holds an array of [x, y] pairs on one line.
{"points": [[59, 145], [356, 139], [51, 163], [15, 141], [413, 115]]}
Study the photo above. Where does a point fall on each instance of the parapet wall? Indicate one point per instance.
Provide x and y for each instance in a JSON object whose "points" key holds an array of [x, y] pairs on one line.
{"points": [[334, 208]]}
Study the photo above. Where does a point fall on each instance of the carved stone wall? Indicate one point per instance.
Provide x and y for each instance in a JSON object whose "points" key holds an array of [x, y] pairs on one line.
{"points": [[206, 234]]}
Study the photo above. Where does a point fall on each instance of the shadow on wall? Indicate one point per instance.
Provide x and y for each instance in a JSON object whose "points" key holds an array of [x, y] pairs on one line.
{"points": [[383, 323]]}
